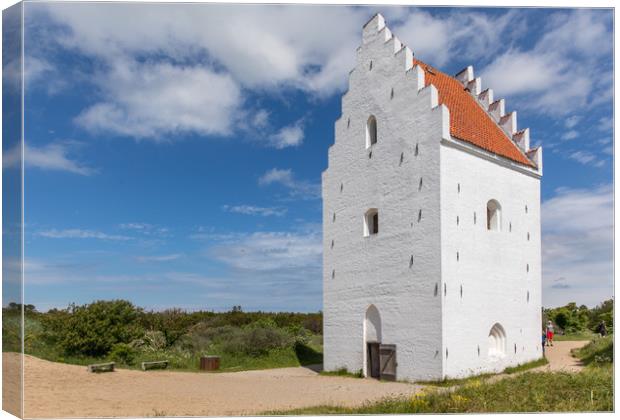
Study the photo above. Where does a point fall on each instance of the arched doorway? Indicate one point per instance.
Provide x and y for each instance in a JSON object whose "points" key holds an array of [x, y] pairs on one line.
{"points": [[372, 341], [497, 341]]}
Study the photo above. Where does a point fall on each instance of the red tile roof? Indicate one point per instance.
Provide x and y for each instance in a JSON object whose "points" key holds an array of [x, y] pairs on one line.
{"points": [[468, 120]]}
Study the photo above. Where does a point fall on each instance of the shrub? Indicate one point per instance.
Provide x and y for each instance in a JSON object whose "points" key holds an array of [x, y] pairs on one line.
{"points": [[93, 329], [122, 353], [257, 340]]}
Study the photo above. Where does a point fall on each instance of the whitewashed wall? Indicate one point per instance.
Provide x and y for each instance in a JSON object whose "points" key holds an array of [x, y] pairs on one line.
{"points": [[492, 266], [411, 178], [376, 270]]}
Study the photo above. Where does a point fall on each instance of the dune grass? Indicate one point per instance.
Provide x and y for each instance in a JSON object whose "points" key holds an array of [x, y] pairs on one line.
{"points": [[599, 351], [342, 372], [527, 366], [577, 336], [529, 392], [590, 390]]}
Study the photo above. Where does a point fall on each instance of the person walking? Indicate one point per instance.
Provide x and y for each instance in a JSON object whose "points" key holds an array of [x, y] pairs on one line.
{"points": [[550, 334], [602, 329], [544, 341]]}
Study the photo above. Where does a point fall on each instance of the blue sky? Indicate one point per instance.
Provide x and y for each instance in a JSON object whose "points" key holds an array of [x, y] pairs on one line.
{"points": [[174, 152]]}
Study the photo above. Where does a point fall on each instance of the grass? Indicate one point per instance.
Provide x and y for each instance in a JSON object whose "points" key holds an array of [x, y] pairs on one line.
{"points": [[590, 390], [450, 382], [585, 391], [343, 372], [527, 366], [577, 336], [599, 351], [300, 355]]}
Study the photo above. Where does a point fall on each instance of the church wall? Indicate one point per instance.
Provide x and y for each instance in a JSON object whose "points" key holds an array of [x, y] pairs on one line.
{"points": [[397, 270], [496, 277]]}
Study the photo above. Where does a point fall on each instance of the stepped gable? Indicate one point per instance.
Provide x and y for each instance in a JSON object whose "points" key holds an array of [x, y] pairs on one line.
{"points": [[468, 120]]}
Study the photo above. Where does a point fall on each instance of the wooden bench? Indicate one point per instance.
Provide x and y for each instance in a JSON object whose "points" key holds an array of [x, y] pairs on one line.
{"points": [[160, 364], [101, 367]]}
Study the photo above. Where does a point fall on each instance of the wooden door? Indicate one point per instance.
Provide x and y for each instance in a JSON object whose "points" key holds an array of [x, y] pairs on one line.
{"points": [[387, 359], [374, 362]]}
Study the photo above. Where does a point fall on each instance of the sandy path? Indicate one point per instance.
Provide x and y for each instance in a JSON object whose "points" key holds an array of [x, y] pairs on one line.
{"points": [[560, 359], [62, 390]]}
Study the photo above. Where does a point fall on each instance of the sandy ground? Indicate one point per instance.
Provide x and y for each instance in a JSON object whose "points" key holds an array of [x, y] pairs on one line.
{"points": [[560, 358], [61, 390]]}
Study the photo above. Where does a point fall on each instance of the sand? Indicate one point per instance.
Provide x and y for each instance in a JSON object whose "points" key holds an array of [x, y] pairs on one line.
{"points": [[62, 390], [560, 359]]}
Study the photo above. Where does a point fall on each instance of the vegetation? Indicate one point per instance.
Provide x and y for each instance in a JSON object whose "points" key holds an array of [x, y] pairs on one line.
{"points": [[588, 390], [450, 382], [527, 366], [599, 351], [591, 390], [579, 321], [119, 331], [343, 372]]}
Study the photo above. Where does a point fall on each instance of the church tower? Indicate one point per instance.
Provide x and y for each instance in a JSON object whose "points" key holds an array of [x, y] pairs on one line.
{"points": [[431, 223]]}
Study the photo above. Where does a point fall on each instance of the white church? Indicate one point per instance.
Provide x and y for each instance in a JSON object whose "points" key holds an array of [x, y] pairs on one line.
{"points": [[431, 223]]}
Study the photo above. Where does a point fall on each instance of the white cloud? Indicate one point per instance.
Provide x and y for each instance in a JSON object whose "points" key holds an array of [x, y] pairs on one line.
{"points": [[586, 158], [572, 121], [256, 210], [261, 46], [147, 229], [577, 246], [81, 234], [555, 76], [271, 251], [52, 157], [154, 101], [157, 258], [297, 188], [569, 135], [289, 136], [606, 124], [470, 35]]}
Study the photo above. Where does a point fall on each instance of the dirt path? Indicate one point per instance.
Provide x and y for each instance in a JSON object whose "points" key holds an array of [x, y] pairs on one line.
{"points": [[61, 390], [560, 358]]}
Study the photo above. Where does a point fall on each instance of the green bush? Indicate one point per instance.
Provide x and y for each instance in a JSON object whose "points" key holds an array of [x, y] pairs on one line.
{"points": [[122, 353], [93, 329]]}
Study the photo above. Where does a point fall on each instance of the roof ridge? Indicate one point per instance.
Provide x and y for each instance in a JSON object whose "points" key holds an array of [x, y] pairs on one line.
{"points": [[480, 133]]}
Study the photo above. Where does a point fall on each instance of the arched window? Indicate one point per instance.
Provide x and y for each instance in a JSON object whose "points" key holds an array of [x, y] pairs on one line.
{"points": [[494, 215], [371, 222], [497, 341], [371, 131]]}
